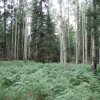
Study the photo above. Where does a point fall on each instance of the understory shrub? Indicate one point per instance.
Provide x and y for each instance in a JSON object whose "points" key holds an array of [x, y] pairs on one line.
{"points": [[38, 81]]}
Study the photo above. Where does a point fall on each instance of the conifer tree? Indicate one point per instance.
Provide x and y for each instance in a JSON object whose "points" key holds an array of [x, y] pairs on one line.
{"points": [[42, 33]]}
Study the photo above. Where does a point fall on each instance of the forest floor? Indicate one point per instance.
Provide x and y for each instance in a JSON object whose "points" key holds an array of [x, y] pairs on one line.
{"points": [[37, 81]]}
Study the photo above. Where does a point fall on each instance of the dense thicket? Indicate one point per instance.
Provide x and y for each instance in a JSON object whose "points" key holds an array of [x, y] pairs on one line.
{"points": [[21, 81]]}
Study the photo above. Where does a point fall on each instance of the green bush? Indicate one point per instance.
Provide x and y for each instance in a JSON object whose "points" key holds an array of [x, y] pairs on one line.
{"points": [[38, 81]]}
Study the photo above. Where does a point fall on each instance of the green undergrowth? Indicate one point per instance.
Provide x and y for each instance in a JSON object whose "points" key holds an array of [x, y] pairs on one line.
{"points": [[38, 81]]}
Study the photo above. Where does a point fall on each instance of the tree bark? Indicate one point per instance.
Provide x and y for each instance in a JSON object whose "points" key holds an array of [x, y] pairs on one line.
{"points": [[12, 41], [63, 44], [25, 39], [29, 48], [86, 38], [99, 49], [18, 43], [78, 36], [83, 37], [93, 53], [93, 38], [68, 30], [61, 49], [86, 43], [15, 44], [5, 48]]}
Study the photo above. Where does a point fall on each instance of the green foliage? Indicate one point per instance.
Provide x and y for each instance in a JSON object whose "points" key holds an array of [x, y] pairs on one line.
{"points": [[93, 23], [43, 40], [38, 81], [70, 41]]}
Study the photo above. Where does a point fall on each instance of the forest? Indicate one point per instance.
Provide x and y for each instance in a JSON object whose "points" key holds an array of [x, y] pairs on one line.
{"points": [[49, 49]]}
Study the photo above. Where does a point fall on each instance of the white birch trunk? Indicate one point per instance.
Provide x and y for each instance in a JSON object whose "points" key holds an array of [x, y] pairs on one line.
{"points": [[78, 36], [29, 48], [83, 37], [93, 49], [25, 39], [62, 30], [61, 49]]}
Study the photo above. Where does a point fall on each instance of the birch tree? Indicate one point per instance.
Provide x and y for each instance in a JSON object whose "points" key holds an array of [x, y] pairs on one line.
{"points": [[68, 33], [62, 38], [25, 39], [83, 36], [78, 35]]}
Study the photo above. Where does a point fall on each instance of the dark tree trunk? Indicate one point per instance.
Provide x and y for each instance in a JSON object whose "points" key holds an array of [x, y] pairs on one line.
{"points": [[94, 66], [5, 51]]}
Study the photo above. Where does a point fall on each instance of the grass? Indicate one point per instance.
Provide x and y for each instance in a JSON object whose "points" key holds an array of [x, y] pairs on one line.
{"points": [[37, 81]]}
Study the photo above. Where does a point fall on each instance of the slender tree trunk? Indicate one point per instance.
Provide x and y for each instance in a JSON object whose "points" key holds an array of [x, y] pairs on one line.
{"points": [[99, 44], [23, 35], [25, 32], [86, 38], [63, 37], [61, 49], [18, 43], [86, 43], [83, 37], [11, 52], [93, 52], [68, 31], [12, 40], [36, 48], [12, 32], [5, 48], [29, 48], [93, 48], [94, 60], [99, 49], [15, 44], [25, 40], [78, 36]]}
